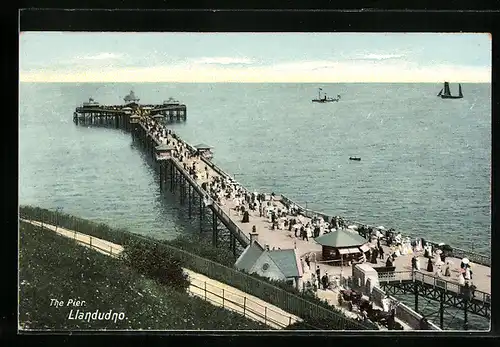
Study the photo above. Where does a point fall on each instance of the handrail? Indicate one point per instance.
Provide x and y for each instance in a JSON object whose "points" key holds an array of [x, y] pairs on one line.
{"points": [[269, 292], [110, 252], [456, 252], [75, 234], [432, 280], [215, 206], [245, 306]]}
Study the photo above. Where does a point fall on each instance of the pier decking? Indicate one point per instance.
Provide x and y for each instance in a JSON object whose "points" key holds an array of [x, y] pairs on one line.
{"points": [[175, 158]]}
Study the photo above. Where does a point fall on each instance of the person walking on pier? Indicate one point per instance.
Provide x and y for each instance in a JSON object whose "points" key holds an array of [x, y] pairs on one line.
{"points": [[447, 271], [318, 273], [381, 252], [467, 275], [324, 281], [389, 261], [430, 267], [303, 233], [308, 262], [414, 263]]}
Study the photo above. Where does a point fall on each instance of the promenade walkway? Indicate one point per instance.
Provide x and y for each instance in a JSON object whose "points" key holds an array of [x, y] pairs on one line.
{"points": [[285, 239], [217, 293]]}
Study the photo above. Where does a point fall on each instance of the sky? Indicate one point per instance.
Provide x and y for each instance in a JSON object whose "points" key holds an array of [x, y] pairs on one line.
{"points": [[254, 57]]}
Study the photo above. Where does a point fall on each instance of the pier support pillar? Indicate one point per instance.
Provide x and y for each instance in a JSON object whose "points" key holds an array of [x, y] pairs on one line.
{"points": [[165, 166], [466, 304], [415, 288], [189, 200], [161, 176], [172, 172], [182, 182], [441, 310]]}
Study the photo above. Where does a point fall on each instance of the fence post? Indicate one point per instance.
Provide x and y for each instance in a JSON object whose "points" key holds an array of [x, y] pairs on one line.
{"points": [[90, 241], [111, 250], [265, 314], [244, 305], [205, 290], [290, 320], [222, 297]]}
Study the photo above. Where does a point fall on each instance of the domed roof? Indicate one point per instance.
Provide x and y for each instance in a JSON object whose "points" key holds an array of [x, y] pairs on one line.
{"points": [[131, 97]]}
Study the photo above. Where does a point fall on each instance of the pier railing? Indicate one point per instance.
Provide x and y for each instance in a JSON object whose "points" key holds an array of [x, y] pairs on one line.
{"points": [[285, 300], [403, 311], [449, 286], [223, 215], [230, 223], [456, 252]]}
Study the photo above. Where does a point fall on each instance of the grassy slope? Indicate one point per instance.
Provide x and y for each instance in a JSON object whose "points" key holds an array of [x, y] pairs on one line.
{"points": [[51, 266]]}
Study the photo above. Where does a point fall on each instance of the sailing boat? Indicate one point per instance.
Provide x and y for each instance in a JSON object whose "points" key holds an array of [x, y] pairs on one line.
{"points": [[325, 98], [447, 93]]}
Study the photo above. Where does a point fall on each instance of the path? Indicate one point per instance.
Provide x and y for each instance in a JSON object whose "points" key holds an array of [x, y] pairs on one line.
{"points": [[217, 293]]}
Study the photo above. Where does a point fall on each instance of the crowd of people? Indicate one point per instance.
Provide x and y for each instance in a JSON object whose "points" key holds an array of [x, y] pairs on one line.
{"points": [[223, 190]]}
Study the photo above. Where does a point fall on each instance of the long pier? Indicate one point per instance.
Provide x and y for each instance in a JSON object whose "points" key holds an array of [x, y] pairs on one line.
{"points": [[215, 198], [118, 115]]}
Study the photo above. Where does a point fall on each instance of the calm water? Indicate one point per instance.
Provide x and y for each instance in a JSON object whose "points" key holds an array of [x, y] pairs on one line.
{"points": [[425, 165]]}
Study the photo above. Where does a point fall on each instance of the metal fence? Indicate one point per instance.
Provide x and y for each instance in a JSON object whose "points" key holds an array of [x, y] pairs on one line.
{"points": [[241, 304], [88, 240], [456, 252], [285, 300]]}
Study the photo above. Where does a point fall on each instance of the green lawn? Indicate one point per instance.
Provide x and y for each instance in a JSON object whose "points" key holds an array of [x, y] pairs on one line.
{"points": [[53, 267]]}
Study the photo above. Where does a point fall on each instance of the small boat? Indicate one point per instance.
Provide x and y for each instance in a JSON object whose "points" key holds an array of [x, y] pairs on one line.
{"points": [[325, 98], [445, 93], [355, 158]]}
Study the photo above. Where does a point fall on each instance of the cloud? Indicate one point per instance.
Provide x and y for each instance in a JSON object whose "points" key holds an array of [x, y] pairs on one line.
{"points": [[374, 56], [307, 65], [293, 72], [223, 60], [101, 56]]}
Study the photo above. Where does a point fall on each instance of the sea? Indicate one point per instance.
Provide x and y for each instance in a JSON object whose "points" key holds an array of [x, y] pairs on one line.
{"points": [[425, 163]]}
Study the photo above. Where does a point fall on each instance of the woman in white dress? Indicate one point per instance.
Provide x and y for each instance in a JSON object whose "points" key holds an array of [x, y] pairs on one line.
{"points": [[461, 279], [467, 274], [417, 264]]}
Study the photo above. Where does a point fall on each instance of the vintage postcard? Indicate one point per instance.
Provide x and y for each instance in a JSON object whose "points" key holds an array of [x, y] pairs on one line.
{"points": [[254, 181]]}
